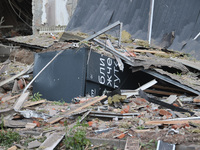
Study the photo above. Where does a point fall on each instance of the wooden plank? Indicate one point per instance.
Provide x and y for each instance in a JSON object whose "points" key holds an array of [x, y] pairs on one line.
{"points": [[52, 141], [89, 103], [82, 118], [142, 131], [14, 123], [130, 93], [146, 51], [196, 99], [15, 87], [85, 115], [161, 92], [10, 98], [7, 111], [3, 68], [169, 88], [29, 104], [159, 122], [20, 101]]}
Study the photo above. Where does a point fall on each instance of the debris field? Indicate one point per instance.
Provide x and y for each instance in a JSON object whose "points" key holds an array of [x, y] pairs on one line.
{"points": [[77, 91]]}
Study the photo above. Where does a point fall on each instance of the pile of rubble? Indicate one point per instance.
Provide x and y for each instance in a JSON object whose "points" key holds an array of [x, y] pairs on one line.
{"points": [[135, 97]]}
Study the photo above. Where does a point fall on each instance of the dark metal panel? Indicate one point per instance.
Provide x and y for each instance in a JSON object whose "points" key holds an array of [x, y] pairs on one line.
{"points": [[175, 22], [178, 16], [95, 89], [91, 16], [92, 88], [105, 71], [64, 79]]}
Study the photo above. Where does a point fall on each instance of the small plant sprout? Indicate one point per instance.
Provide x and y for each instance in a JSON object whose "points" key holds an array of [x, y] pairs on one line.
{"points": [[36, 97]]}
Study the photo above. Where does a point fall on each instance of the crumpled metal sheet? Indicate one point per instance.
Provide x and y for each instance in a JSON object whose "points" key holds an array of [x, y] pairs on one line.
{"points": [[33, 114], [182, 81], [175, 23]]}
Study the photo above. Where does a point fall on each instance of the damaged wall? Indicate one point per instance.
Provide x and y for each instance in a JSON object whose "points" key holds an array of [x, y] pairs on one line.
{"points": [[50, 13], [175, 23]]}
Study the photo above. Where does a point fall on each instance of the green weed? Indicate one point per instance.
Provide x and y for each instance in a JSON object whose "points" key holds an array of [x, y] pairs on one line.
{"points": [[75, 137], [59, 103], [151, 145], [140, 127], [178, 74], [8, 137], [2, 122], [36, 97]]}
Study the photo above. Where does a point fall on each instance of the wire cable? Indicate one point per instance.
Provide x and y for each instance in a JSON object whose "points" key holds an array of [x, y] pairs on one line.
{"points": [[21, 12], [18, 15]]}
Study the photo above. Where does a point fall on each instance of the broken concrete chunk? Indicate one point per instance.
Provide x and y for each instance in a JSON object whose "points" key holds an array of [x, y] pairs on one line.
{"points": [[34, 144], [30, 125], [14, 123], [171, 99]]}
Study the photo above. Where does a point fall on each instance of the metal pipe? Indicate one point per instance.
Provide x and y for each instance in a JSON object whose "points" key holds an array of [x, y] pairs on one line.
{"points": [[103, 30], [151, 20]]}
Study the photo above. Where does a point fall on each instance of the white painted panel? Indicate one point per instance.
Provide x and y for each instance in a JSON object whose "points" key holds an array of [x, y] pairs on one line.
{"points": [[61, 13]]}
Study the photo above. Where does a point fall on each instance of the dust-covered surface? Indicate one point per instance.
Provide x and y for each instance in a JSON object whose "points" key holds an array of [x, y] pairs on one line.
{"points": [[189, 79], [43, 40]]}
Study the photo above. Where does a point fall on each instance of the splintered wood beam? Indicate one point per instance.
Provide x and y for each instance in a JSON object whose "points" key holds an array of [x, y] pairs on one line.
{"points": [[161, 92], [52, 141], [29, 104], [160, 122], [169, 88], [86, 104], [20, 101], [146, 51]]}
